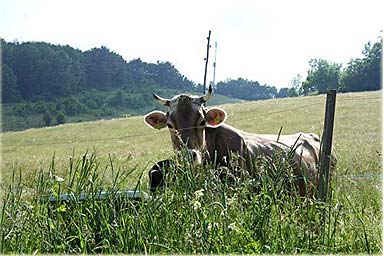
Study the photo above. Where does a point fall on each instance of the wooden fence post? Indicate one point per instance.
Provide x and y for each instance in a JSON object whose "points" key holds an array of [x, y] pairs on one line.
{"points": [[206, 61], [326, 143]]}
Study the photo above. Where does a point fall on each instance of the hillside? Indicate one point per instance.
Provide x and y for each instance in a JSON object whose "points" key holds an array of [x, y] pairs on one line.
{"points": [[45, 84]]}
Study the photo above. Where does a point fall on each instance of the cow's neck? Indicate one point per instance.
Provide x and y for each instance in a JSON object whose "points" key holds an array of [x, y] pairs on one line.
{"points": [[221, 141]]}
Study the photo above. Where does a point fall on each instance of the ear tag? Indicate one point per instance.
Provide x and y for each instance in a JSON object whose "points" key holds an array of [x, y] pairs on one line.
{"points": [[158, 125], [217, 119]]}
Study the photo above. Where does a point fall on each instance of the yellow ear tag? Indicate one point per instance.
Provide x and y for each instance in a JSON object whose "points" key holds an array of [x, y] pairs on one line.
{"points": [[217, 119], [158, 125]]}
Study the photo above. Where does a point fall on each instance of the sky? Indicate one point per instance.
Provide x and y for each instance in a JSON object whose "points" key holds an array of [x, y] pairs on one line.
{"points": [[265, 41]]}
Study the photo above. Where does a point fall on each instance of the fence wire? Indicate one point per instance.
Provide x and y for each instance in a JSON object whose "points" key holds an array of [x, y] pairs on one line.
{"points": [[367, 176]]}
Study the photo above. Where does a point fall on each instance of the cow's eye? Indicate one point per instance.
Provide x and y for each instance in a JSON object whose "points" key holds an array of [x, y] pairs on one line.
{"points": [[170, 126], [202, 123]]}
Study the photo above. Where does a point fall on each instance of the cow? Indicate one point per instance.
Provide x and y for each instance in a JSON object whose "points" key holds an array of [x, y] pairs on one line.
{"points": [[203, 129]]}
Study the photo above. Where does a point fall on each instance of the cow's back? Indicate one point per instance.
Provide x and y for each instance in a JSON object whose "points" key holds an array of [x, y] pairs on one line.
{"points": [[305, 147]]}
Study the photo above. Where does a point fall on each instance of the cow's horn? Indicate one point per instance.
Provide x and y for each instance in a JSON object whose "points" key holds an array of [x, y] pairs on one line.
{"points": [[162, 101], [208, 95]]}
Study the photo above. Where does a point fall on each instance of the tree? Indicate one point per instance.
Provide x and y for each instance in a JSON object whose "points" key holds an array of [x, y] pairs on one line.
{"points": [[42, 70], [322, 76], [117, 100], [10, 92], [105, 69], [296, 84], [35, 71], [245, 89], [364, 74], [60, 118], [283, 93], [47, 118]]}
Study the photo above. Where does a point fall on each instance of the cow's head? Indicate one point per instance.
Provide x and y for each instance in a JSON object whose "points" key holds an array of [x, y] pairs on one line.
{"points": [[186, 120]]}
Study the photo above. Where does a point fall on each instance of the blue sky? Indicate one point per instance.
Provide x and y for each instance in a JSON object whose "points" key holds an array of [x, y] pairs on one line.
{"points": [[267, 41]]}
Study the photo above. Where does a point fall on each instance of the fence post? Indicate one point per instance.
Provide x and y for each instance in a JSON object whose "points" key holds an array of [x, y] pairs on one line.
{"points": [[326, 143], [206, 61]]}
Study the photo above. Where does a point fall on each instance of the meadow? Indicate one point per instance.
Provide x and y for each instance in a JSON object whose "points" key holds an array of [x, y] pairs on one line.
{"points": [[196, 214]]}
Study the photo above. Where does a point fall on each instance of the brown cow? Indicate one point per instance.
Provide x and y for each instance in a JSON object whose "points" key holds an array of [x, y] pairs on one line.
{"points": [[199, 128]]}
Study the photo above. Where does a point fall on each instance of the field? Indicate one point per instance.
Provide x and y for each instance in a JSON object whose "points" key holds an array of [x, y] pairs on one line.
{"points": [[118, 154]]}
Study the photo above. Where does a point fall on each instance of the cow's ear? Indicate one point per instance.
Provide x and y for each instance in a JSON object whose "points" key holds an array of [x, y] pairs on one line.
{"points": [[156, 119], [215, 117]]}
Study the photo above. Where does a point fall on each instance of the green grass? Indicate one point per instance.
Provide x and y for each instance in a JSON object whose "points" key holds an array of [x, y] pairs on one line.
{"points": [[224, 219]]}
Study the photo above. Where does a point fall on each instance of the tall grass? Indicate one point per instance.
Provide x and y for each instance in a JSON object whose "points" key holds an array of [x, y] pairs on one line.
{"points": [[200, 210]]}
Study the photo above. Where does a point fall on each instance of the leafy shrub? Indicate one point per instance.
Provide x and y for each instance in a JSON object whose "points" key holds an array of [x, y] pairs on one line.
{"points": [[47, 118], [60, 118]]}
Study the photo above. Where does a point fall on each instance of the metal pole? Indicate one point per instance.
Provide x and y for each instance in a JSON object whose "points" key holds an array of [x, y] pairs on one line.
{"points": [[214, 66], [326, 143], [206, 61]]}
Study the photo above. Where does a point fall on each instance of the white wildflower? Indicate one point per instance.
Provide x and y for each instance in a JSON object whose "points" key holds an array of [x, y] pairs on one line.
{"points": [[231, 201], [196, 205], [214, 225], [233, 227], [199, 193], [58, 179]]}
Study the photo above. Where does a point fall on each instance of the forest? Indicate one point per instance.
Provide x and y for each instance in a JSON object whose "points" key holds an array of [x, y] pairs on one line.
{"points": [[45, 84]]}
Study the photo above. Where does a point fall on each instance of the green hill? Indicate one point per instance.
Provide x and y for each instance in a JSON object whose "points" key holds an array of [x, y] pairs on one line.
{"points": [[45, 84]]}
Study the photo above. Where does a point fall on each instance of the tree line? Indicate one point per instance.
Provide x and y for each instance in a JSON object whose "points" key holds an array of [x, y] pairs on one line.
{"points": [[34, 71], [360, 74]]}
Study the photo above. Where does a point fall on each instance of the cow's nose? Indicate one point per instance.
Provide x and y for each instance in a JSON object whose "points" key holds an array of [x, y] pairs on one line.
{"points": [[196, 156]]}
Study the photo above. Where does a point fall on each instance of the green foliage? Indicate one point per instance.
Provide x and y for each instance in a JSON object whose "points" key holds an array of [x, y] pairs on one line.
{"points": [[37, 71], [322, 76], [105, 69], [42, 70], [47, 118], [245, 89], [364, 74], [60, 118], [287, 92], [294, 90], [118, 99], [9, 81], [360, 74]]}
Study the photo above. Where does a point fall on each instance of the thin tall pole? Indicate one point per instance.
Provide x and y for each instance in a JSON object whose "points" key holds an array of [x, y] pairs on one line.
{"points": [[214, 66], [206, 61]]}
